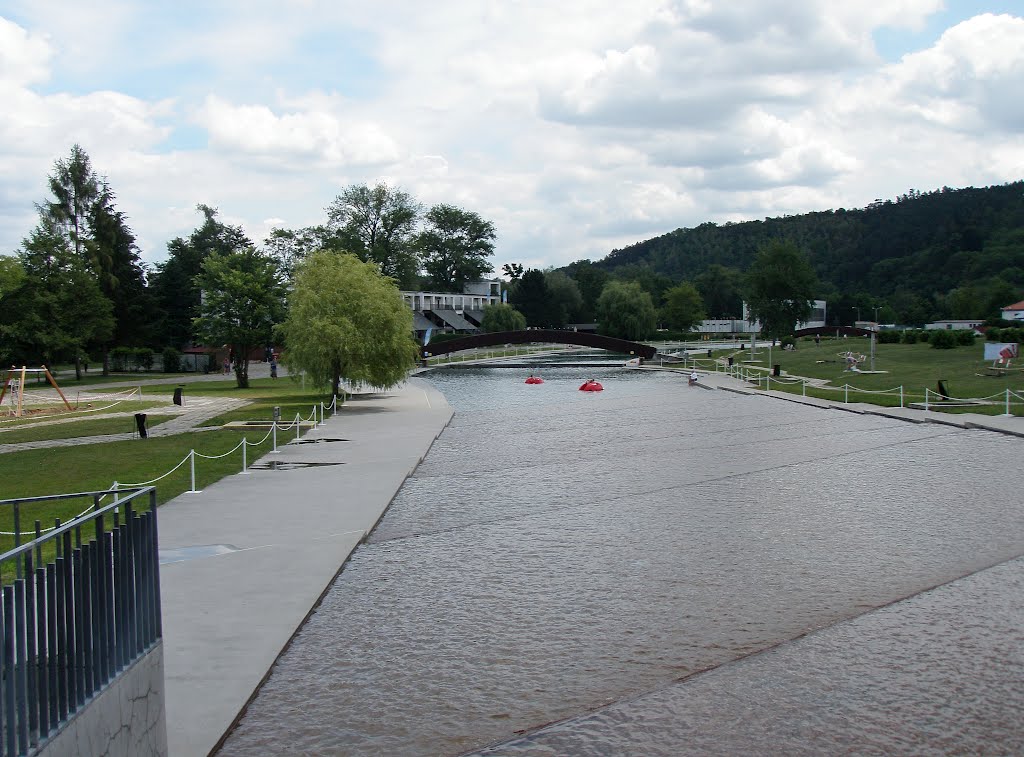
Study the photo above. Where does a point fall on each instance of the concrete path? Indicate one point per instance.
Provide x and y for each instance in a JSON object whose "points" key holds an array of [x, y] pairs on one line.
{"points": [[245, 560]]}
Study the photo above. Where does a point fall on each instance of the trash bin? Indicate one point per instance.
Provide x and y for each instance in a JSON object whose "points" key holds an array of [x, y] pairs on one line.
{"points": [[140, 423], [776, 370], [709, 353], [730, 362], [177, 395]]}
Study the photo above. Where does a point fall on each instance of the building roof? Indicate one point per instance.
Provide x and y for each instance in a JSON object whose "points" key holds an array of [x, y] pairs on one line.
{"points": [[1015, 306], [454, 320], [420, 322]]}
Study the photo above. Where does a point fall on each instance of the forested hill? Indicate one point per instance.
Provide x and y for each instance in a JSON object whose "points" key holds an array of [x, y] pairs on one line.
{"points": [[921, 244]]}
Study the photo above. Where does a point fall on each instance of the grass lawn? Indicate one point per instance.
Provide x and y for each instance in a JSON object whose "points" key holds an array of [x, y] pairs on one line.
{"points": [[85, 427], [127, 406], [93, 467], [912, 366]]}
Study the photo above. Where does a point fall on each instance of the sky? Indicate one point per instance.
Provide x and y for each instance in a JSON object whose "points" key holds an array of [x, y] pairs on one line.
{"points": [[576, 127]]}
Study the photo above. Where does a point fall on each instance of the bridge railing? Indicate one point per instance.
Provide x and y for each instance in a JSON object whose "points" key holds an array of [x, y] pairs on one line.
{"points": [[80, 603]]}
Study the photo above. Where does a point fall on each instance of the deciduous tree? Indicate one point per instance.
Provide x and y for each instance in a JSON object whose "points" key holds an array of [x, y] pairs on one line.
{"points": [[683, 308], [502, 317], [378, 225], [454, 246], [243, 299], [626, 311], [781, 286], [346, 320]]}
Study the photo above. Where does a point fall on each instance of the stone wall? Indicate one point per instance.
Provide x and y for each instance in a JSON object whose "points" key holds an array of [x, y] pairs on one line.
{"points": [[126, 719]]}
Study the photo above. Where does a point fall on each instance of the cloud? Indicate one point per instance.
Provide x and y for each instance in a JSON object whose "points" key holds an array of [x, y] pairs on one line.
{"points": [[308, 136], [24, 57]]}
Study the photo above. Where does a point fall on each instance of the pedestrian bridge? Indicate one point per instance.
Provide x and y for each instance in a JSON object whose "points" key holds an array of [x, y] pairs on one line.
{"points": [[557, 336]]}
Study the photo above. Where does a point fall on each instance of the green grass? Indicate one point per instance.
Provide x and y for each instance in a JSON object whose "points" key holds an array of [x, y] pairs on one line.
{"points": [[915, 367], [94, 467], [86, 427], [87, 411]]}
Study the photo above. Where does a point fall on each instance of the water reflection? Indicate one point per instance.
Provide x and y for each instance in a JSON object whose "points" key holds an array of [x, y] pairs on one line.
{"points": [[558, 551]]}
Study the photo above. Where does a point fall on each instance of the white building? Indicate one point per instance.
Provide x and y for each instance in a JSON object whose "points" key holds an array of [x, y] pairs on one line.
{"points": [[451, 311], [1014, 312], [743, 326]]}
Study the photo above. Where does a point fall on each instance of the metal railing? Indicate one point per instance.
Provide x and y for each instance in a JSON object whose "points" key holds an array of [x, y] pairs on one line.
{"points": [[71, 625]]}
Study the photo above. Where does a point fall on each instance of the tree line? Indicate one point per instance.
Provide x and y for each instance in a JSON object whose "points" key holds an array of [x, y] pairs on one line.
{"points": [[77, 288], [949, 253]]}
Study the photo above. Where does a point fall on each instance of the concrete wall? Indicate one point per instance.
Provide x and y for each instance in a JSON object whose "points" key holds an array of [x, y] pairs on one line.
{"points": [[127, 719]]}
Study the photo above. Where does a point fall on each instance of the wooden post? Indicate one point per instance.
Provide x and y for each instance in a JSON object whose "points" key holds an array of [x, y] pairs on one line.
{"points": [[53, 383]]}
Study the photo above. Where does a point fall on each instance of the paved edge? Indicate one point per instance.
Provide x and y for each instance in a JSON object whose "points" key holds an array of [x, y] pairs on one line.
{"points": [[282, 537]]}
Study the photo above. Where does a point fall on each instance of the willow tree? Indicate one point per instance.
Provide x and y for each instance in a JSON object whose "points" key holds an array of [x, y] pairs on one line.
{"points": [[347, 321]]}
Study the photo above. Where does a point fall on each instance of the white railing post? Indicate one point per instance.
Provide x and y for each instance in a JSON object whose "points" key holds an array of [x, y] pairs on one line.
{"points": [[298, 420], [192, 467], [273, 432], [926, 399], [245, 444], [846, 393], [117, 497], [1008, 401], [901, 395], [803, 388]]}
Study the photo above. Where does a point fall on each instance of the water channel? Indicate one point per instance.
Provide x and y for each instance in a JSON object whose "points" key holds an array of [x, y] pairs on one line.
{"points": [[574, 557]]}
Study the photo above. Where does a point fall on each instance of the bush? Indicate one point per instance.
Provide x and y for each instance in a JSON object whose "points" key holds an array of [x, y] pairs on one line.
{"points": [[888, 337], [964, 337], [788, 341], [1012, 335], [120, 357], [172, 360], [909, 337], [144, 358], [942, 339]]}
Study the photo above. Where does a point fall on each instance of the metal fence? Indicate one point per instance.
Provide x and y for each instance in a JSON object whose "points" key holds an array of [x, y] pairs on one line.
{"points": [[80, 603]]}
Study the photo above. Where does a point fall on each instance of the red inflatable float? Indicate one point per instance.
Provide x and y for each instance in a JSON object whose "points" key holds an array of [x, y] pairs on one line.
{"points": [[535, 380], [591, 386]]}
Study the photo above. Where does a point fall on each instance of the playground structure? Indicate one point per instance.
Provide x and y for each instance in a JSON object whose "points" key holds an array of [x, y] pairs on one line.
{"points": [[14, 390], [853, 360]]}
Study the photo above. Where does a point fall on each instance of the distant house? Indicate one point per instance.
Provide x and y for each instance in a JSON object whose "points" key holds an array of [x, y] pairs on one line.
{"points": [[1014, 312], [955, 325]]}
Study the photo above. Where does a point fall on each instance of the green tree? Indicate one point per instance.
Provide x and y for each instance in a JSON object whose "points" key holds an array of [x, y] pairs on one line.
{"points": [[243, 299], [292, 246], [530, 297], [346, 320], [175, 284], [75, 188], [683, 308], [564, 298], [378, 225], [502, 317], [590, 280], [721, 289], [455, 246], [514, 271], [58, 309], [626, 311], [780, 288], [12, 275]]}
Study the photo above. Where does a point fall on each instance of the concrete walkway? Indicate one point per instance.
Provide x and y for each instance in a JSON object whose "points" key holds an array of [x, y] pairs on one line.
{"points": [[245, 560]]}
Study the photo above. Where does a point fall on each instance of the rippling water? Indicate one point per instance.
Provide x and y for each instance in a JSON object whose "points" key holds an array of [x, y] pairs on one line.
{"points": [[559, 551]]}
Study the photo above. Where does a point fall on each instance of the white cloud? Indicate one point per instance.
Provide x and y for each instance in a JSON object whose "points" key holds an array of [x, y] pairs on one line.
{"points": [[24, 57]]}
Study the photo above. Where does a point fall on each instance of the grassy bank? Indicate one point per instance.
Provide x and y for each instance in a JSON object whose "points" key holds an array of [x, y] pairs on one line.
{"points": [[915, 367]]}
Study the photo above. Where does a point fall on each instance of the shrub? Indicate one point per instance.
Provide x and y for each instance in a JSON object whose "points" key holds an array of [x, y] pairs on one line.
{"points": [[909, 337], [942, 339], [120, 358], [888, 337], [144, 358], [964, 337], [1012, 335], [172, 360], [787, 341]]}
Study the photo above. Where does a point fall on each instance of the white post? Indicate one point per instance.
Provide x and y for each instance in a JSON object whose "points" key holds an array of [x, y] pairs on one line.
{"points": [[926, 399], [192, 467], [273, 433], [803, 388], [245, 444], [298, 420], [901, 395], [1008, 401], [117, 497], [846, 393]]}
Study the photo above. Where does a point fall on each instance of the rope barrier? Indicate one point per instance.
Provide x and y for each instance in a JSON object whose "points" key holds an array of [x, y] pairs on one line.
{"points": [[44, 530]]}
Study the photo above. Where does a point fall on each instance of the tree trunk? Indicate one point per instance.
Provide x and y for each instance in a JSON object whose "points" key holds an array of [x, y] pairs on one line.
{"points": [[242, 373], [78, 367]]}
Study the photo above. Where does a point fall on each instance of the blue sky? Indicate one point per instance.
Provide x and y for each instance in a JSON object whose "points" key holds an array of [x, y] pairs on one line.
{"points": [[576, 127]]}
